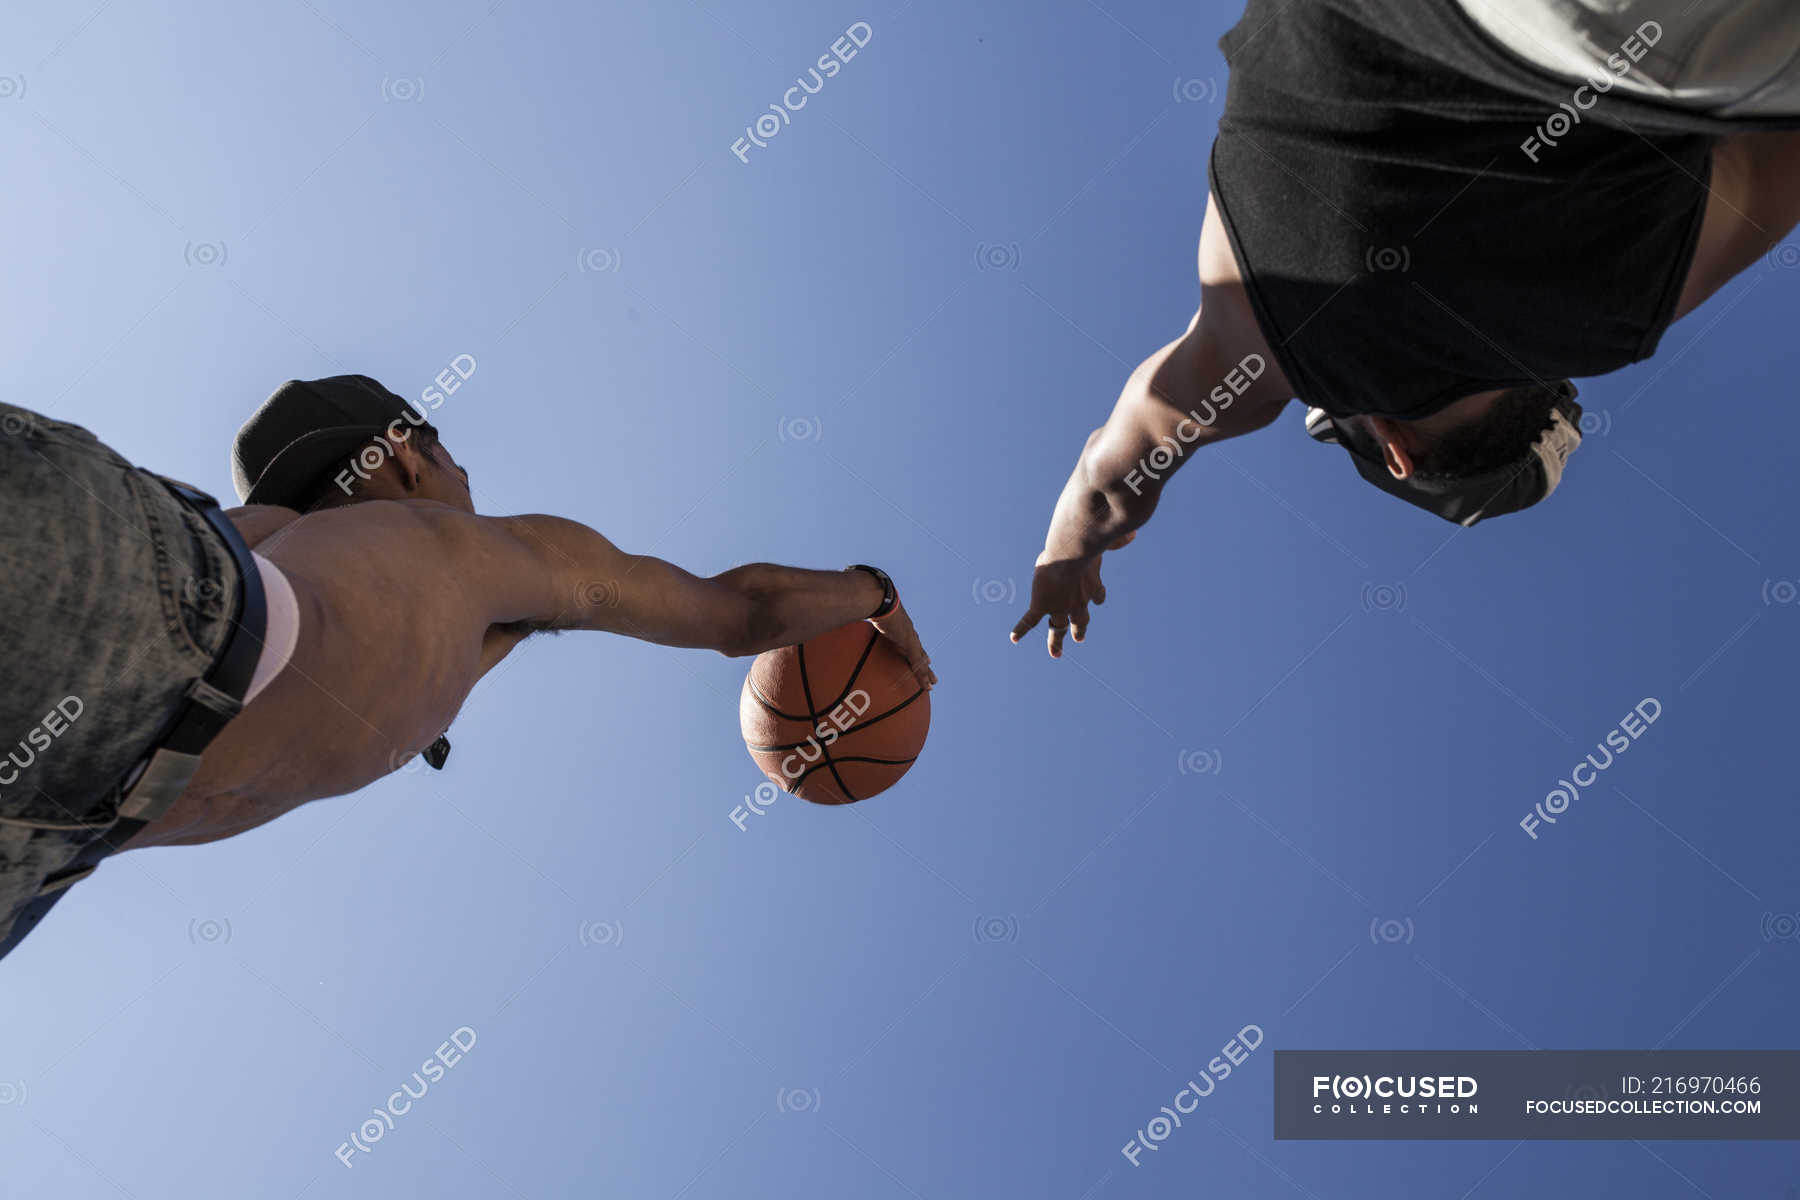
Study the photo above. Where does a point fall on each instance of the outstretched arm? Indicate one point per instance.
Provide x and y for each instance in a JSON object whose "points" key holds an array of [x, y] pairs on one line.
{"points": [[1203, 388], [549, 573]]}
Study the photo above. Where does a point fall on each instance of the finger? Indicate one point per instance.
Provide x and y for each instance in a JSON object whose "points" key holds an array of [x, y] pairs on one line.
{"points": [[922, 671], [1124, 541], [905, 638], [1056, 638], [1026, 624], [1078, 622]]}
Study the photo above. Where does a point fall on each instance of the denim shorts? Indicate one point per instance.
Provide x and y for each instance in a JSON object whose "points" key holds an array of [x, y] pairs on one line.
{"points": [[114, 596]]}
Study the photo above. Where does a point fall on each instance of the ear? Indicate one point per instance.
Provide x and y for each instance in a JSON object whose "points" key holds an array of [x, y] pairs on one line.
{"points": [[407, 457], [1394, 451]]}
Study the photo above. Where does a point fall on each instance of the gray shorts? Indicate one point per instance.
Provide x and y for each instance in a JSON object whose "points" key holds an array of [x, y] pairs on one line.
{"points": [[1727, 58], [114, 596]]}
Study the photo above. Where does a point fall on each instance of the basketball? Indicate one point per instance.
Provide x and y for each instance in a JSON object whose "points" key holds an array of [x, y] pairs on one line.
{"points": [[834, 720]]}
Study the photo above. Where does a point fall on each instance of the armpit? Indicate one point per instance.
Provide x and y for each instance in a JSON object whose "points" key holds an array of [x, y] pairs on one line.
{"points": [[1752, 203]]}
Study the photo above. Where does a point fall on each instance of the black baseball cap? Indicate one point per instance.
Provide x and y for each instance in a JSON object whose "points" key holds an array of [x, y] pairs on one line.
{"points": [[308, 429], [1468, 499]]}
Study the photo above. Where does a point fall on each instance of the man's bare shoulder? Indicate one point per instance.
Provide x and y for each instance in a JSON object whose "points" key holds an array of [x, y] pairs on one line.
{"points": [[260, 523], [493, 567], [256, 522]]}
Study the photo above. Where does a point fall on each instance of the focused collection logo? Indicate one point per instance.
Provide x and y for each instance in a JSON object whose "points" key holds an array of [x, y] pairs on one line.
{"points": [[1395, 1095]]}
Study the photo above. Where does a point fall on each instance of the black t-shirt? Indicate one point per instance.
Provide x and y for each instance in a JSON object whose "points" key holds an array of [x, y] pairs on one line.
{"points": [[1401, 249]]}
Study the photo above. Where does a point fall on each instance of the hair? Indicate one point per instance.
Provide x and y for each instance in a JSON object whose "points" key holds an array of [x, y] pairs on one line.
{"points": [[1504, 434], [423, 437]]}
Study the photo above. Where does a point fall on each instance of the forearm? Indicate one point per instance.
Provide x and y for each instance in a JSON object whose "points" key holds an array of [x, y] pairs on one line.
{"points": [[1095, 509], [591, 584], [788, 605]]}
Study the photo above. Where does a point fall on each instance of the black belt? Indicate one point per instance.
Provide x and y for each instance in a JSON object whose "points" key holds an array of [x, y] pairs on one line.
{"points": [[212, 700]]}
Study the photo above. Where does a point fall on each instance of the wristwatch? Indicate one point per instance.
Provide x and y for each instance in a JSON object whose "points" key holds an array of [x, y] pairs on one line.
{"points": [[890, 600]]}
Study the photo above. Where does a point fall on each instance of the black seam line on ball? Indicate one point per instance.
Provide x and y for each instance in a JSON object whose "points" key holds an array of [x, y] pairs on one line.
{"points": [[813, 722], [850, 683], [884, 716], [756, 694], [858, 725], [862, 758]]}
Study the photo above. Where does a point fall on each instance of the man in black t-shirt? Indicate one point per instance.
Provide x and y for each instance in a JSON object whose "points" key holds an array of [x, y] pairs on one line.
{"points": [[1424, 233]]}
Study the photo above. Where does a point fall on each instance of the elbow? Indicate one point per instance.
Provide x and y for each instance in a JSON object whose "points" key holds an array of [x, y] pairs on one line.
{"points": [[1129, 504], [1126, 497]]}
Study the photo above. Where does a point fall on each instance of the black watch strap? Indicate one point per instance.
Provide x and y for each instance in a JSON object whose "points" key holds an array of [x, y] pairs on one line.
{"points": [[890, 599]]}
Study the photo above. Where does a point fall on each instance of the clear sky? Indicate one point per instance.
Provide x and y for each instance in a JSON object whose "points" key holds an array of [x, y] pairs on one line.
{"points": [[1281, 784]]}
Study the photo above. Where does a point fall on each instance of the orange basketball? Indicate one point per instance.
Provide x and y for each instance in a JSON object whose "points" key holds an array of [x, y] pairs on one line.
{"points": [[837, 719]]}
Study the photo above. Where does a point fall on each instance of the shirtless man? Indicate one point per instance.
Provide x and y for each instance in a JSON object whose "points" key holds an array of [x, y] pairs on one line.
{"points": [[1392, 239], [386, 599]]}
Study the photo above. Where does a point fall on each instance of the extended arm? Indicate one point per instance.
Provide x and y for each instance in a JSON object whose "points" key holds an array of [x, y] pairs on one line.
{"points": [[1219, 380], [1186, 396], [549, 573], [1209, 385]]}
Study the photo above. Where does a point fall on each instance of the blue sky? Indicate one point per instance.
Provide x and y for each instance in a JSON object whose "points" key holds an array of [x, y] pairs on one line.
{"points": [[1281, 784]]}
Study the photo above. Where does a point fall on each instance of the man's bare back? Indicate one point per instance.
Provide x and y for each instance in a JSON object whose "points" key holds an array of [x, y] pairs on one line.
{"points": [[389, 646]]}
